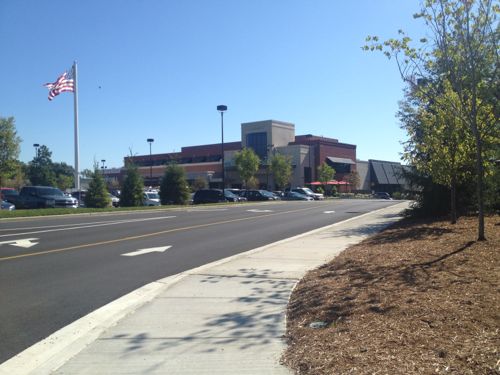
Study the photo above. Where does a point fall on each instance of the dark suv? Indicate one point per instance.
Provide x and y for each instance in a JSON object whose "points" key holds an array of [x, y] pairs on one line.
{"points": [[382, 195], [208, 196], [259, 195]]}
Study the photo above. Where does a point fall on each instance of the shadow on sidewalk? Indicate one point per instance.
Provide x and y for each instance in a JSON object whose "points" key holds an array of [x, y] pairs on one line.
{"points": [[254, 319]]}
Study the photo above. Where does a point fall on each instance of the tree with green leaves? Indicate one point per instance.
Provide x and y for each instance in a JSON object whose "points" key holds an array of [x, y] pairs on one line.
{"points": [[40, 170], [325, 174], [65, 175], [97, 195], [439, 143], [353, 179], [9, 149], [200, 183], [281, 167], [173, 187], [132, 192], [247, 163], [462, 51]]}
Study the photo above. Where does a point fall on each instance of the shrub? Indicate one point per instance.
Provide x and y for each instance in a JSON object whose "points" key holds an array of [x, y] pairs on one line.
{"points": [[97, 195]]}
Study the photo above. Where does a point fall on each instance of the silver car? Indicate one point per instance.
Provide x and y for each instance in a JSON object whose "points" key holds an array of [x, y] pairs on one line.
{"points": [[7, 206]]}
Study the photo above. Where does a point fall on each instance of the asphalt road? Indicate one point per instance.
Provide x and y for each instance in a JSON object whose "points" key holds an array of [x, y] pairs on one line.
{"points": [[54, 270]]}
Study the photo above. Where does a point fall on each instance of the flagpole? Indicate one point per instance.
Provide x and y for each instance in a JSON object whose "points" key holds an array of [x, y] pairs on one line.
{"points": [[77, 150]]}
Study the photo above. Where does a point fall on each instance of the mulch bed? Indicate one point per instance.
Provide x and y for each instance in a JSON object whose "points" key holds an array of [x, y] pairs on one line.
{"points": [[418, 298]]}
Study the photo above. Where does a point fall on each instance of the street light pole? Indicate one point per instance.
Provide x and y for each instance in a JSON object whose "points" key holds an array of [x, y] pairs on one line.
{"points": [[36, 145], [102, 167], [270, 148], [222, 109], [150, 141]]}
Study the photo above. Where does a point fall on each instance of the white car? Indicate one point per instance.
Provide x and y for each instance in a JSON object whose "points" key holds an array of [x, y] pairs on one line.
{"points": [[309, 192], [151, 199], [115, 201]]}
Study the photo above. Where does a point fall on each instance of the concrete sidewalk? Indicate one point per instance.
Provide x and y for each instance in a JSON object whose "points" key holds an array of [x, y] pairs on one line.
{"points": [[224, 318]]}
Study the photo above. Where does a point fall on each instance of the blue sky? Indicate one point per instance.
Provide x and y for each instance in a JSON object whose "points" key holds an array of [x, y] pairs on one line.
{"points": [[158, 69]]}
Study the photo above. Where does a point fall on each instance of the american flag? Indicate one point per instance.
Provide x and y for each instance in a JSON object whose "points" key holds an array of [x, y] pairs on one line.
{"points": [[64, 83]]}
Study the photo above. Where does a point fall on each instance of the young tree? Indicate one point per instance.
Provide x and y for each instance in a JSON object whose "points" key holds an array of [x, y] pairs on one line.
{"points": [[439, 143], [247, 163], [200, 183], [325, 174], [463, 50], [174, 188], [132, 192], [353, 179], [281, 166], [9, 148], [40, 170], [97, 195], [252, 183]]}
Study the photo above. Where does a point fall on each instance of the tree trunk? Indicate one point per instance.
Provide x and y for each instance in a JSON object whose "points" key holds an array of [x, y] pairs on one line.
{"points": [[480, 189], [453, 202]]}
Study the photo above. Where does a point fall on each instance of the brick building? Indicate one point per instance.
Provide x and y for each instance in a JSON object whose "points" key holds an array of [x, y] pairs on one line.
{"points": [[266, 138]]}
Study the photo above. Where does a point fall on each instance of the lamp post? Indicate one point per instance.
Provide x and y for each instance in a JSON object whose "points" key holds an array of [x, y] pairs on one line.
{"points": [[222, 108], [270, 149], [102, 167], [36, 146], [150, 141]]}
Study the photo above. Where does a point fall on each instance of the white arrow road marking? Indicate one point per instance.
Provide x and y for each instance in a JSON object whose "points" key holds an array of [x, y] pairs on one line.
{"points": [[257, 210], [24, 242], [146, 251], [329, 212]]}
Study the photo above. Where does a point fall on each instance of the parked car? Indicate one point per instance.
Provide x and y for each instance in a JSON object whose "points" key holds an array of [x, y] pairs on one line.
{"points": [[80, 196], [115, 201], [151, 199], [294, 196], [232, 197], [208, 196], [279, 193], [6, 193], [237, 192], [382, 195], [43, 197], [259, 195], [4, 205], [309, 192]]}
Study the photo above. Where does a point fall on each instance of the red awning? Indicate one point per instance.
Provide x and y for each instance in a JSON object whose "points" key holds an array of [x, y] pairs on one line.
{"points": [[331, 182]]}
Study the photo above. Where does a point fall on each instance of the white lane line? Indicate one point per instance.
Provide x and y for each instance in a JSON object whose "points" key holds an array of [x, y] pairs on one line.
{"points": [[75, 224], [24, 242], [329, 212], [147, 251], [206, 210], [89, 225], [257, 210]]}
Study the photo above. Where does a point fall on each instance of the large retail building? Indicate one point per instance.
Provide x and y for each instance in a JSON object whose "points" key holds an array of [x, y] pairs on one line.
{"points": [[307, 153]]}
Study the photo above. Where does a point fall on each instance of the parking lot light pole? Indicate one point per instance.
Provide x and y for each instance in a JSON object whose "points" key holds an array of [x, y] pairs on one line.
{"points": [[150, 141], [36, 146], [222, 108], [102, 167]]}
